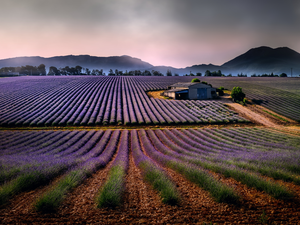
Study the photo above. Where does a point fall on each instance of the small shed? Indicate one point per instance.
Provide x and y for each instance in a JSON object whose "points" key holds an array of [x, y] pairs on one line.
{"points": [[192, 91]]}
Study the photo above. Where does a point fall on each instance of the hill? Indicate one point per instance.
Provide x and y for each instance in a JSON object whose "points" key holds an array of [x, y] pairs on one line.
{"points": [[265, 60], [255, 61], [92, 62]]}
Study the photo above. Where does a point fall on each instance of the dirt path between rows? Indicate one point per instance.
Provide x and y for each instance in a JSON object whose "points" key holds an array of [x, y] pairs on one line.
{"points": [[255, 114]]}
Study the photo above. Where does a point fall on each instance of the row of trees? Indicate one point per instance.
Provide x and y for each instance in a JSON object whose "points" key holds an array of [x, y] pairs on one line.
{"points": [[78, 70], [25, 70], [270, 75]]}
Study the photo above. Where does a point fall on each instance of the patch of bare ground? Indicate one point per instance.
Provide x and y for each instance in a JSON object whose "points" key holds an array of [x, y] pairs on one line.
{"points": [[257, 114], [155, 94]]}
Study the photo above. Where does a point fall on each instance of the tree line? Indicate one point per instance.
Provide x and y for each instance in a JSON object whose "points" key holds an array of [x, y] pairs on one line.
{"points": [[79, 70]]}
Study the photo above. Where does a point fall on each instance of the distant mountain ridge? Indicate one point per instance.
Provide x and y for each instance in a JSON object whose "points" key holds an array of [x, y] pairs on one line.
{"points": [[266, 60], [255, 61], [92, 62]]}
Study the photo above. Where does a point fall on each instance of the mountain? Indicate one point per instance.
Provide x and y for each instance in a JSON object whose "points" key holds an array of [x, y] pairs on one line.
{"points": [[92, 62], [265, 60], [255, 61]]}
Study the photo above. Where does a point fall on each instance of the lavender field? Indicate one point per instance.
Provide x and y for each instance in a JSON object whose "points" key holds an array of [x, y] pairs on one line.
{"points": [[279, 94], [245, 154], [82, 101]]}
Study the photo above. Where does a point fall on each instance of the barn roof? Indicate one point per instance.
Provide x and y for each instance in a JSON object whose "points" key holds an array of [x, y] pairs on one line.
{"points": [[189, 84], [177, 90]]}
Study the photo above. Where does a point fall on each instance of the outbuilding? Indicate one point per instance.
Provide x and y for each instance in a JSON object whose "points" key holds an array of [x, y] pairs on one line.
{"points": [[192, 91]]}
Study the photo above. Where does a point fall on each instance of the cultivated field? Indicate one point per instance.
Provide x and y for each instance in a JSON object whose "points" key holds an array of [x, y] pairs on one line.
{"points": [[279, 94], [81, 150], [253, 169], [81, 101]]}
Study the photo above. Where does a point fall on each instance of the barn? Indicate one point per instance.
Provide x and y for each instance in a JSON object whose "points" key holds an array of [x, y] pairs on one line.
{"points": [[192, 91]]}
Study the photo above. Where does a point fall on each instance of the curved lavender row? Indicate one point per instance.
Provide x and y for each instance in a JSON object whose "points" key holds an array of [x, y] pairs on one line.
{"points": [[113, 111], [125, 104], [75, 145], [51, 200], [16, 112], [136, 108], [161, 111], [57, 140], [250, 140], [32, 144], [18, 139], [93, 105], [147, 112], [78, 116], [100, 96], [52, 102], [276, 161], [100, 115], [63, 114], [252, 180], [73, 110], [218, 191], [34, 176], [132, 114], [262, 160], [90, 144], [20, 115], [152, 173], [107, 109], [97, 149], [111, 193], [123, 152]]}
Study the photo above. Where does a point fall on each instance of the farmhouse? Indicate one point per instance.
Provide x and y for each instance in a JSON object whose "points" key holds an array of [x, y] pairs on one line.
{"points": [[191, 91]]}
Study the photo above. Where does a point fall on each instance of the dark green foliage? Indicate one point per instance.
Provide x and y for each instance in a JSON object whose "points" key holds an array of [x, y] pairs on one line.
{"points": [[161, 183], [237, 94], [51, 200], [111, 193], [195, 80]]}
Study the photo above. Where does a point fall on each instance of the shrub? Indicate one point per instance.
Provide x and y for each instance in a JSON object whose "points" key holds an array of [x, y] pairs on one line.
{"points": [[237, 94], [195, 80]]}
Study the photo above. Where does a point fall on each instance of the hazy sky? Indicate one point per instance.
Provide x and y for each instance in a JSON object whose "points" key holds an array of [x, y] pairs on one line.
{"points": [[176, 33]]}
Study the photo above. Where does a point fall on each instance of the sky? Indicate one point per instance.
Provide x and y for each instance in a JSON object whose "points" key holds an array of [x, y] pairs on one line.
{"points": [[175, 33]]}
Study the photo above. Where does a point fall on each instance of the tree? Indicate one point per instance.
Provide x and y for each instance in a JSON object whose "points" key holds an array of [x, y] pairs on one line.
{"points": [[78, 68], [195, 80], [283, 75], [111, 72], [207, 73], [237, 94], [169, 73], [53, 71], [42, 69], [198, 74]]}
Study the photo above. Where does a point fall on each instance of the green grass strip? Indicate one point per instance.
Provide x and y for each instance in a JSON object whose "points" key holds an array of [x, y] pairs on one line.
{"points": [[278, 117], [161, 183], [51, 200], [219, 191], [112, 191], [276, 174], [251, 180], [22, 183]]}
